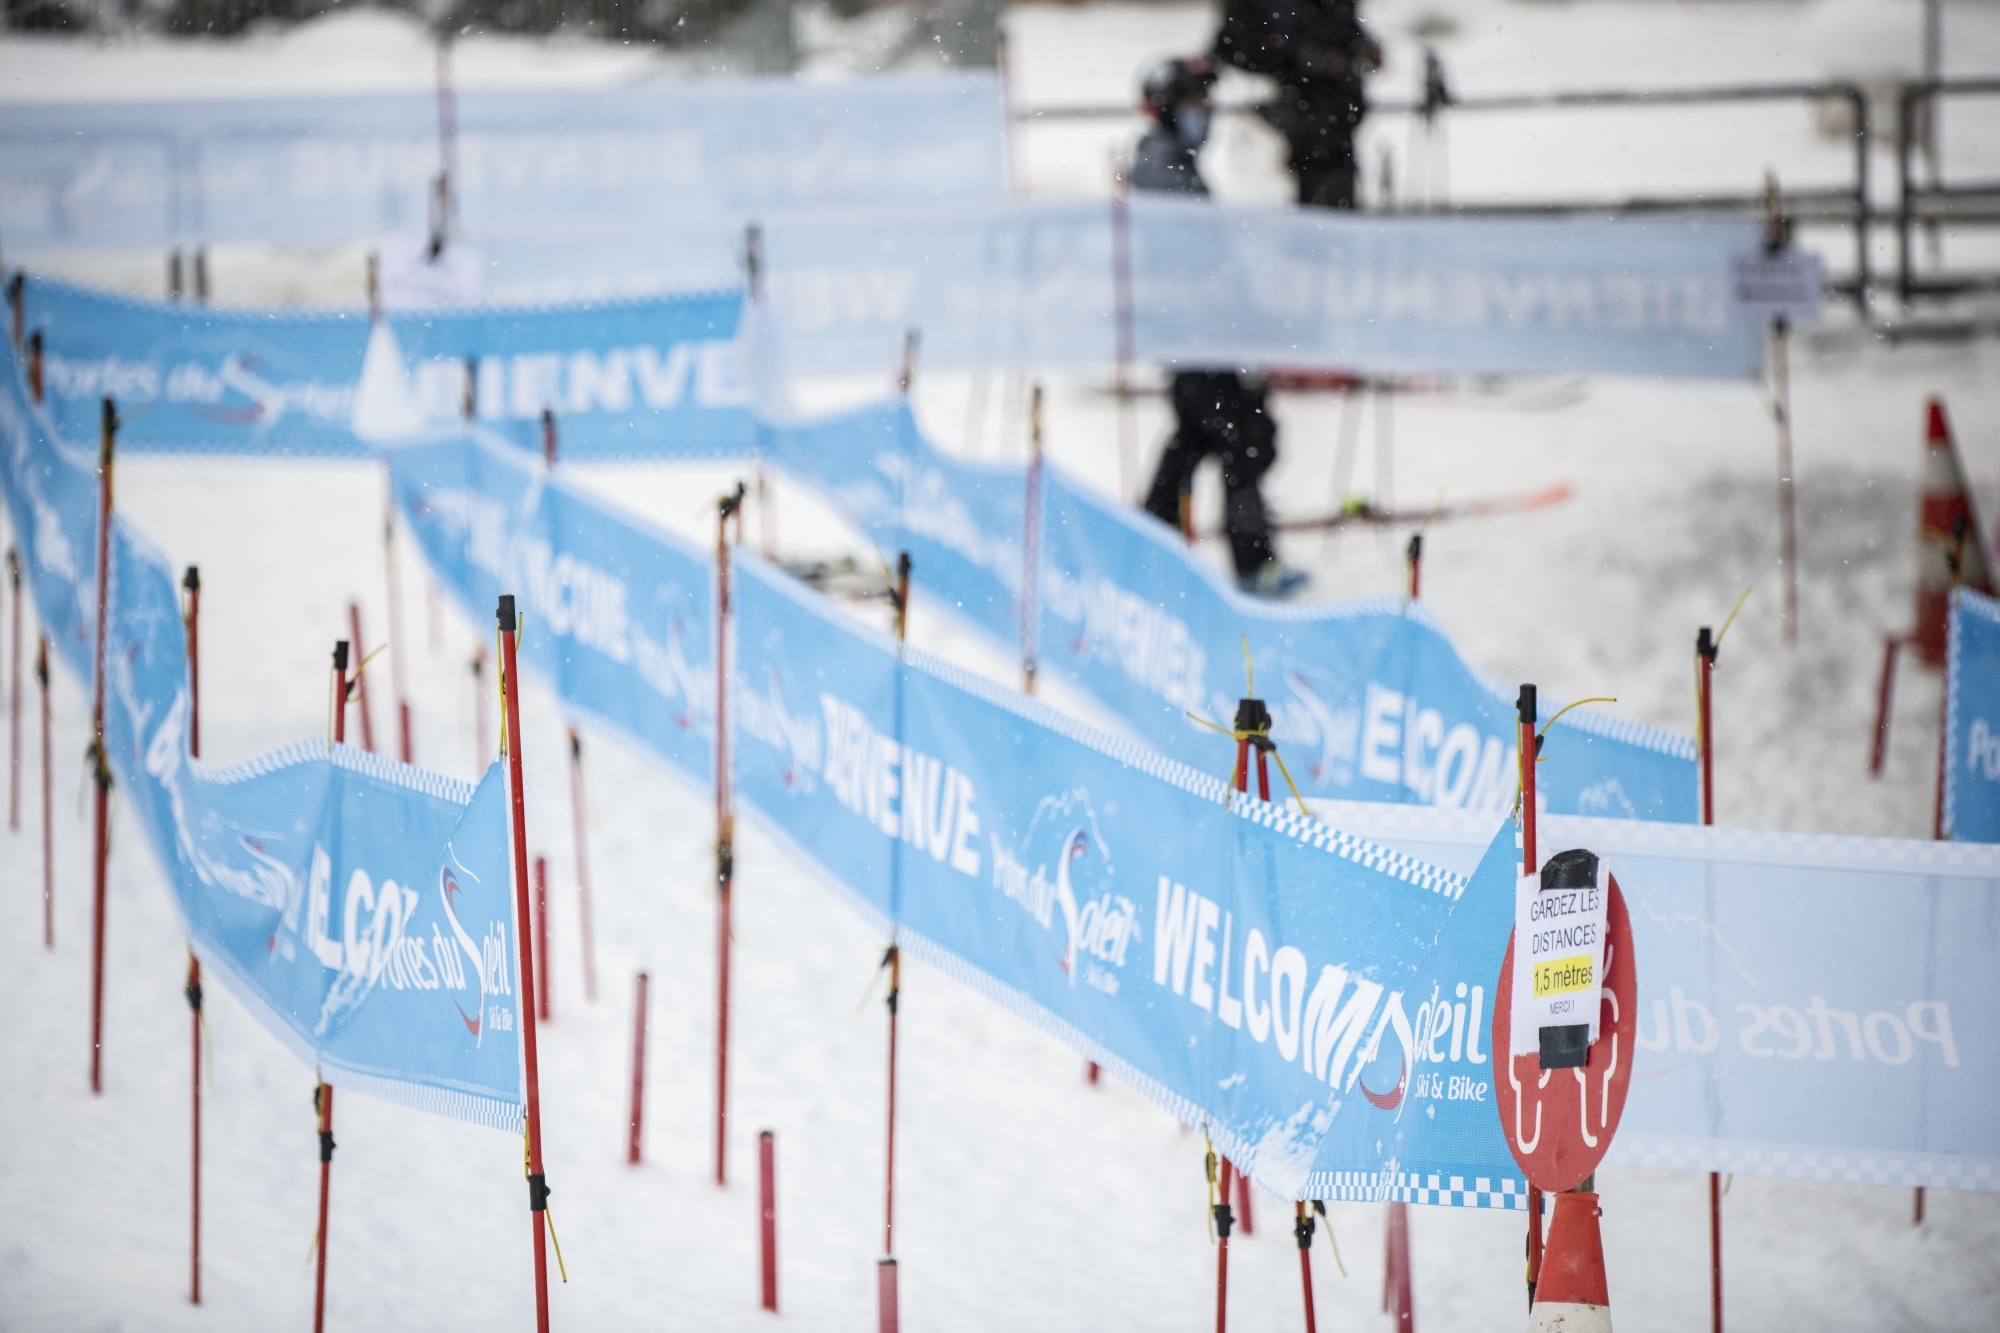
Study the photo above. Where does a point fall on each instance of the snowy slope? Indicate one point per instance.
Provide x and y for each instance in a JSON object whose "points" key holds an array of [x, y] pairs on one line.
{"points": [[1027, 1198]]}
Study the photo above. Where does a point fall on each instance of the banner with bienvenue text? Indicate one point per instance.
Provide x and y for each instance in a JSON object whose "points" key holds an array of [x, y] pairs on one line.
{"points": [[651, 377], [550, 163], [1032, 284], [361, 910], [1016, 284], [1123, 903], [1867, 1054], [1368, 697], [1972, 719]]}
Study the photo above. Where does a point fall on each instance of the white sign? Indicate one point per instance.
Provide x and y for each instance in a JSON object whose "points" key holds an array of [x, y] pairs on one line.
{"points": [[412, 279], [1782, 284], [1558, 957]]}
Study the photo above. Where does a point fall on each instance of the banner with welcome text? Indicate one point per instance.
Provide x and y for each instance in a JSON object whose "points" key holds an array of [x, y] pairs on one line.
{"points": [[1811, 1006]]}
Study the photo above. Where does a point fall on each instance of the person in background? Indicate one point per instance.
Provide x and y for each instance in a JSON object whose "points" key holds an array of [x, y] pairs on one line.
{"points": [[1222, 413], [1317, 51]]}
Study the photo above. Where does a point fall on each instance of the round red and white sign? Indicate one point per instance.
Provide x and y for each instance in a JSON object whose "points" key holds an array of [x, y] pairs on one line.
{"points": [[1559, 1122]]}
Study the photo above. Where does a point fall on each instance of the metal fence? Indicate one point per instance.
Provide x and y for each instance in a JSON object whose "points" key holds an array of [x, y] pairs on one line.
{"points": [[1845, 204], [1932, 204]]}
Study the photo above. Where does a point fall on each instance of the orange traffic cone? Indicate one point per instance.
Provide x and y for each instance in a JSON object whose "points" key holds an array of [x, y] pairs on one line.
{"points": [[1949, 550], [1572, 1296]]}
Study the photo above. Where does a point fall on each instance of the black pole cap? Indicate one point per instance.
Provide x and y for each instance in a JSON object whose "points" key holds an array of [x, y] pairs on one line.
{"points": [[1252, 715], [1416, 550], [340, 655], [902, 564], [192, 579], [1704, 645], [1573, 869], [504, 613], [1526, 706]]}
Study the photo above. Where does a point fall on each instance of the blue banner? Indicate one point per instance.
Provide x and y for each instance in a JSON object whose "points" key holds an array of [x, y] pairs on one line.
{"points": [[1818, 1007], [528, 162], [657, 377], [361, 910], [1125, 903], [1034, 285], [997, 284], [1128, 905], [1369, 696], [620, 616], [1972, 719]]}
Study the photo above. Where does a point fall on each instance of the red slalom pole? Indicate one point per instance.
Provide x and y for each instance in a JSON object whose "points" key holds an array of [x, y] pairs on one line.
{"points": [[1222, 1220], [48, 801], [341, 690], [542, 930], [100, 759], [1705, 646], [632, 1155], [538, 1189], [323, 1092], [192, 619], [767, 1217], [725, 829], [193, 993], [361, 676], [323, 1103], [888, 1273], [1302, 1228], [894, 960], [1528, 750], [14, 699], [887, 1300], [1415, 555], [582, 866], [1885, 688]]}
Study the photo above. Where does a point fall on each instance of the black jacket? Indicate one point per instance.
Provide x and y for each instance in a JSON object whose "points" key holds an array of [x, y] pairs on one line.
{"points": [[1163, 163]]}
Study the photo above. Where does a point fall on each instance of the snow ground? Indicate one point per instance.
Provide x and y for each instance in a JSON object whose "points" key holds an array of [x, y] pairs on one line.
{"points": [[1027, 1199]]}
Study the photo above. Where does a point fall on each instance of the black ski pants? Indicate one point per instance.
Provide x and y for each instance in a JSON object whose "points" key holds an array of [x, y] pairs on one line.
{"points": [[1223, 415]]}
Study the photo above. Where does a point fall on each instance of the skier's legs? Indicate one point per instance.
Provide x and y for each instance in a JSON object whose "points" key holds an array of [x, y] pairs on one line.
{"points": [[1194, 395], [1250, 447]]}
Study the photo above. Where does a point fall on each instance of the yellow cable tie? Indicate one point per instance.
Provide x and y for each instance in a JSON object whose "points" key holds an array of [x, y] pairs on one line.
{"points": [[1429, 519], [550, 1214], [1338, 1262], [366, 660], [1595, 699], [1209, 1168], [1293, 785], [1732, 616], [1697, 703], [1249, 669]]}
